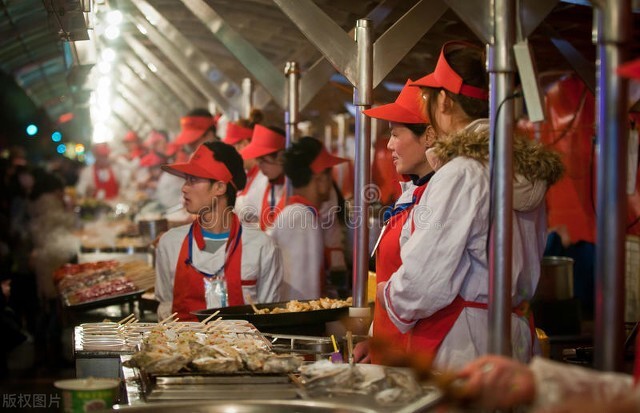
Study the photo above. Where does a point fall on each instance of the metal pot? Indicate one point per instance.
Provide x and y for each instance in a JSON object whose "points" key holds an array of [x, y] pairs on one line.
{"points": [[152, 228], [556, 279]]}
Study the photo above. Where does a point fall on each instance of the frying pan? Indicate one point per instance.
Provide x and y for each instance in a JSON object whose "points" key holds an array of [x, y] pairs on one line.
{"points": [[298, 322]]}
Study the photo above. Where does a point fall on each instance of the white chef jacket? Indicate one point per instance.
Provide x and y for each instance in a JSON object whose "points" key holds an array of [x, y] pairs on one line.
{"points": [[261, 261], [446, 256], [248, 205], [298, 236], [86, 184], [333, 232]]}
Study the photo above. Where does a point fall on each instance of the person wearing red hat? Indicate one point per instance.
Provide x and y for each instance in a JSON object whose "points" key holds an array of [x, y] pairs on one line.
{"points": [[135, 149], [100, 180], [214, 261], [296, 228], [411, 135], [439, 293], [149, 173], [261, 202], [157, 142], [196, 127], [496, 382]]}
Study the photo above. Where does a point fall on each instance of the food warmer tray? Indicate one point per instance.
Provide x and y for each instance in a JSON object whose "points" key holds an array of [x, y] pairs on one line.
{"points": [[288, 319], [103, 302]]}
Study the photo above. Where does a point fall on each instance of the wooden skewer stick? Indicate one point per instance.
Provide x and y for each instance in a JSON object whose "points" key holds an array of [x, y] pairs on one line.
{"points": [[168, 318], [252, 304], [124, 320], [210, 317]]}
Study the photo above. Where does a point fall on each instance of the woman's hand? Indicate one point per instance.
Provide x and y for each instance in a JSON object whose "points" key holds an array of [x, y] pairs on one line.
{"points": [[496, 382], [361, 352]]}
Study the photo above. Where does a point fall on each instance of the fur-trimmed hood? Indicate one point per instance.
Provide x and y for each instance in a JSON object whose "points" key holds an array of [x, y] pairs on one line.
{"points": [[536, 167]]}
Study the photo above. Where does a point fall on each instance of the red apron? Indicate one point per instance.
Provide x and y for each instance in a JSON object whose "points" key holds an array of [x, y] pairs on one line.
{"points": [[270, 210], [109, 187], [188, 286], [387, 262], [429, 333]]}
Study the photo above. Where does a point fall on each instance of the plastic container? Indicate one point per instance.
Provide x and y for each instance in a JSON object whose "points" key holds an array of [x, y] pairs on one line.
{"points": [[87, 395]]}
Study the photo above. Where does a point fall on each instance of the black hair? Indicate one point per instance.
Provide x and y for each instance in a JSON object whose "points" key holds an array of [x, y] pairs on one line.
{"points": [[206, 114], [417, 129], [45, 183], [298, 159], [255, 118], [467, 62], [228, 155]]}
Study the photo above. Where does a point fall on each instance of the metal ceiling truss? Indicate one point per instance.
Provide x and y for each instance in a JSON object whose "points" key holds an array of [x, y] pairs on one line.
{"points": [[190, 60], [185, 91]]}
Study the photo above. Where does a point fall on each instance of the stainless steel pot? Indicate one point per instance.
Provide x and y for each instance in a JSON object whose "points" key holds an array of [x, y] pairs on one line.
{"points": [[556, 279]]}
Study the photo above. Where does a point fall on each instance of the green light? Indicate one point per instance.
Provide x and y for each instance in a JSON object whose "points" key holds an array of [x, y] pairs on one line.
{"points": [[32, 129]]}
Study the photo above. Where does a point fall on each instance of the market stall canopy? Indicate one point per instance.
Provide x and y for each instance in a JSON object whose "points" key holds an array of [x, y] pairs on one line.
{"points": [[168, 61]]}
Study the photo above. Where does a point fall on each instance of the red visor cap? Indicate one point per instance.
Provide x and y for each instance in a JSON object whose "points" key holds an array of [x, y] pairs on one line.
{"points": [[202, 165], [101, 149], [153, 138], [192, 128], [325, 160], [263, 142], [151, 159], [630, 69], [236, 133], [406, 108], [445, 77], [131, 136]]}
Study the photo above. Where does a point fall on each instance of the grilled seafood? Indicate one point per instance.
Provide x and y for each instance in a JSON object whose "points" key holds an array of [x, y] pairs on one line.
{"points": [[295, 306]]}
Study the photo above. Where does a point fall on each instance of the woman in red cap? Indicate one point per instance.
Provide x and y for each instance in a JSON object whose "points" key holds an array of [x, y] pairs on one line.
{"points": [[410, 136], [266, 195], [499, 382], [214, 261], [297, 228], [238, 135], [439, 294], [100, 180]]}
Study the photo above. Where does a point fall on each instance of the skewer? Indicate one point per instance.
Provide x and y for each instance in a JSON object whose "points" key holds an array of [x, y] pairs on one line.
{"points": [[126, 318], [210, 317], [168, 318], [350, 348], [213, 324], [252, 304]]}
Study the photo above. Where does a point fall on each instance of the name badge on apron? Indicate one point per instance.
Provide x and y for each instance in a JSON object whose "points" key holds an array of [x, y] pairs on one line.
{"points": [[215, 292]]}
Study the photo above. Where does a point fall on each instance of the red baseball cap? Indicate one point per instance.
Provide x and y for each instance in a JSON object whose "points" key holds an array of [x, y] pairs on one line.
{"points": [[153, 138], [263, 142], [443, 76], [630, 69], [193, 127], [201, 164], [236, 133], [405, 109], [101, 149], [152, 159], [131, 136], [325, 160]]}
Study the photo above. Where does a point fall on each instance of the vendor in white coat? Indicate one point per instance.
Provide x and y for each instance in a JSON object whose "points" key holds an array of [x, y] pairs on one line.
{"points": [[296, 229], [101, 180], [260, 203], [215, 261], [439, 294]]}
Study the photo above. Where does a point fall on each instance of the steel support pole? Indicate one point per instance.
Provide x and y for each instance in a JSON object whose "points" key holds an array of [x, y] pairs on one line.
{"points": [[614, 25], [501, 77], [362, 97], [247, 97], [292, 114]]}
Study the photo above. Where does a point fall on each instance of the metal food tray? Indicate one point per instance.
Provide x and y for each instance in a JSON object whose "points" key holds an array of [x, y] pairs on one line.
{"points": [[221, 386], [103, 302]]}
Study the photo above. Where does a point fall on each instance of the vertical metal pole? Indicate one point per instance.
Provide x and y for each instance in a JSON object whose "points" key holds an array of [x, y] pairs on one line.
{"points": [[362, 97], [247, 97], [501, 77], [291, 116], [614, 24], [327, 138]]}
